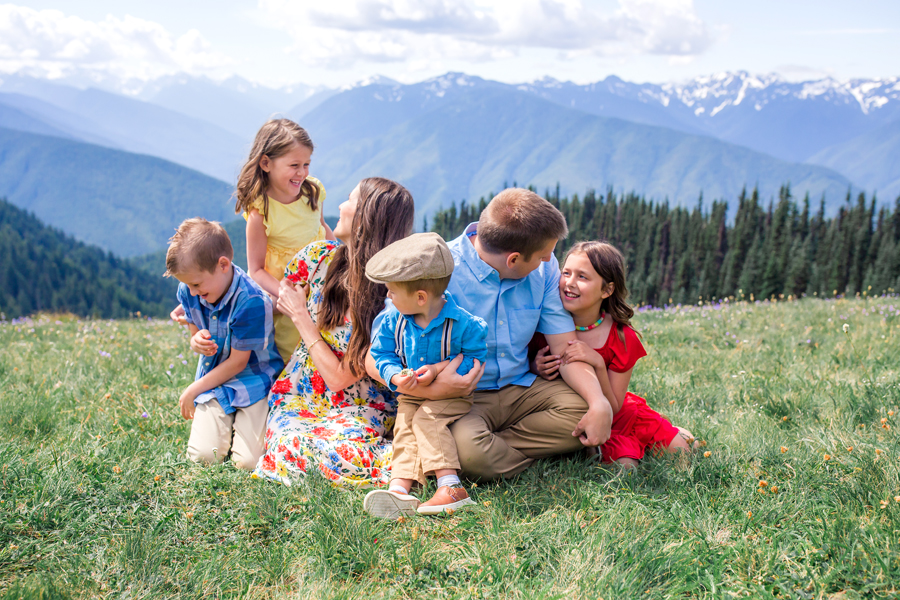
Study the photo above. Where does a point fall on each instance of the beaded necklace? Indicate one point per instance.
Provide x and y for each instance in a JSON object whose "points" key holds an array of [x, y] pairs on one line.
{"points": [[592, 326]]}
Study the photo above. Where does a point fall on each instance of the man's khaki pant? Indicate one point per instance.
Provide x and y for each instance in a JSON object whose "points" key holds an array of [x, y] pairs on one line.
{"points": [[213, 430], [507, 429], [422, 439]]}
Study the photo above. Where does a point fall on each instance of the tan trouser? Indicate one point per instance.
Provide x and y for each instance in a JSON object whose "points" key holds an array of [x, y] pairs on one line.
{"points": [[422, 439], [212, 432], [508, 428]]}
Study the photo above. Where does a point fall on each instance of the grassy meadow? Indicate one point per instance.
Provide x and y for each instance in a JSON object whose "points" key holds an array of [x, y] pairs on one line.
{"points": [[794, 494]]}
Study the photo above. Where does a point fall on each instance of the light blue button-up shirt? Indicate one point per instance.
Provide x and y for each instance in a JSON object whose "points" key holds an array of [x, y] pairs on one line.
{"points": [[423, 346], [514, 309]]}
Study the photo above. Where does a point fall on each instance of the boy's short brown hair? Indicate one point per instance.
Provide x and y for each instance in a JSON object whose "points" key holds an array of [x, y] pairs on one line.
{"points": [[518, 220], [197, 244], [435, 287]]}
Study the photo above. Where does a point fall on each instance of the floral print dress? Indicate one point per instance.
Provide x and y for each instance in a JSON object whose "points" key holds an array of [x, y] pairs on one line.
{"points": [[312, 428]]}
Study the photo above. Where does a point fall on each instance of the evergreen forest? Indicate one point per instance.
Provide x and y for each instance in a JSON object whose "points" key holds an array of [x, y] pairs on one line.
{"points": [[779, 249], [43, 269]]}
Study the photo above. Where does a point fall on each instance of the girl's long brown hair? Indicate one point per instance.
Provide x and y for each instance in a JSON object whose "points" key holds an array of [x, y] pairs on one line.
{"points": [[384, 214], [274, 139], [610, 265]]}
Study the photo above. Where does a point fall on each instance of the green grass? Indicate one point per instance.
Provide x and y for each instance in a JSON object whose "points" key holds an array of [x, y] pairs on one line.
{"points": [[98, 501]]}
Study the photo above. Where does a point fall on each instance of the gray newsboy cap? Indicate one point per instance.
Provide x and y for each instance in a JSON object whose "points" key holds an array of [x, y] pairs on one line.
{"points": [[419, 256]]}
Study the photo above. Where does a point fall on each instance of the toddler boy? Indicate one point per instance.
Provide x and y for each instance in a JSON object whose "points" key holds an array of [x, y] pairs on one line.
{"points": [[420, 332], [230, 320]]}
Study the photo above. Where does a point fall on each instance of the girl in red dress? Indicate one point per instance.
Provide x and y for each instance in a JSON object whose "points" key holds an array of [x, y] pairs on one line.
{"points": [[592, 288]]}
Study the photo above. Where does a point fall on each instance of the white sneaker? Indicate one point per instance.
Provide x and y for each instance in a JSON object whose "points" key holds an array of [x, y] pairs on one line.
{"points": [[386, 504]]}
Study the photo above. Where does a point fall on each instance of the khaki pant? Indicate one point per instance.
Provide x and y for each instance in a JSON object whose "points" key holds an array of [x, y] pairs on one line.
{"points": [[507, 429], [212, 432], [422, 439]]}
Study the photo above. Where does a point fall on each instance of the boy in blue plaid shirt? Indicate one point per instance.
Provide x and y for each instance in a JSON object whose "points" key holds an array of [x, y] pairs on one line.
{"points": [[230, 320]]}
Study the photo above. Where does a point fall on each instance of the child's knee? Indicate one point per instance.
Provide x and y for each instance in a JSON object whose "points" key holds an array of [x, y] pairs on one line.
{"points": [[205, 454]]}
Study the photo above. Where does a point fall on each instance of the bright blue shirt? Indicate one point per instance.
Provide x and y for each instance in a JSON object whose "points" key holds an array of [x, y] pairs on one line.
{"points": [[241, 319], [514, 309], [423, 346]]}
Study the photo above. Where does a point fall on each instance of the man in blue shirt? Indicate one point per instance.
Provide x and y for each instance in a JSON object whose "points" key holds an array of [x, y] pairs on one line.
{"points": [[505, 272], [230, 320]]}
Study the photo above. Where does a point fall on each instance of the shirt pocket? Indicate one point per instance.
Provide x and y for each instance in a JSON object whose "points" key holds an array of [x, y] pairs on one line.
{"points": [[523, 323]]}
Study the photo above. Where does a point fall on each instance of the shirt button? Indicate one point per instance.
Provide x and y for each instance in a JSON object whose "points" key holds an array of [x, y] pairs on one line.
{"points": [[500, 322], [422, 358], [502, 354], [423, 335], [214, 317]]}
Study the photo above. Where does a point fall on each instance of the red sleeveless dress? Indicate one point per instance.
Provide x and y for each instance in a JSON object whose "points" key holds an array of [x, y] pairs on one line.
{"points": [[636, 427]]}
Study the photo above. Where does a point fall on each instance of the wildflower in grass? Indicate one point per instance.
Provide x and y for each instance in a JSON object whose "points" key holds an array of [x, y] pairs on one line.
{"points": [[878, 452], [846, 327], [849, 448], [774, 489], [784, 419], [749, 514], [707, 454], [890, 413], [157, 478], [896, 498], [784, 449], [827, 457], [763, 483], [884, 504], [117, 469], [144, 415]]}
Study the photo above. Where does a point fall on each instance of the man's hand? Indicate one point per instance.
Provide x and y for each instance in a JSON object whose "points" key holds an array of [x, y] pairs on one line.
{"points": [[201, 343], [547, 365], [186, 402], [593, 428]]}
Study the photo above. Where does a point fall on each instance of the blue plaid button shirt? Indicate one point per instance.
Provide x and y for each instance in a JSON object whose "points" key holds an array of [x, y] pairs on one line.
{"points": [[241, 319]]}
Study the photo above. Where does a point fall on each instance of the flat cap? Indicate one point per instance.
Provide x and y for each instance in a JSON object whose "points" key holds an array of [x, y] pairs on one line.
{"points": [[419, 256]]}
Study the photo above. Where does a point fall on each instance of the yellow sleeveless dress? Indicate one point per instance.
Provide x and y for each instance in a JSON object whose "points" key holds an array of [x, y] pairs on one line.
{"points": [[289, 229]]}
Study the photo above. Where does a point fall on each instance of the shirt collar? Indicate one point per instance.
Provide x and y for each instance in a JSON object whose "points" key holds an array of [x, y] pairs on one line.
{"points": [[450, 310], [479, 268], [226, 298]]}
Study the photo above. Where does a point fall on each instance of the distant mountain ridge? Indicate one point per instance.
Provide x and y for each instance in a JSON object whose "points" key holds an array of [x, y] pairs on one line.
{"points": [[42, 269], [123, 202], [458, 136]]}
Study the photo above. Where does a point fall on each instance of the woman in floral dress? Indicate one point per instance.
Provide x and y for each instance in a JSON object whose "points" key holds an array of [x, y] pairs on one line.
{"points": [[326, 414]]}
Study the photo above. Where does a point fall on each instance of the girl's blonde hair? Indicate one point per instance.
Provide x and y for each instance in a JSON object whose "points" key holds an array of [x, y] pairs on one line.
{"points": [[274, 139], [610, 265]]}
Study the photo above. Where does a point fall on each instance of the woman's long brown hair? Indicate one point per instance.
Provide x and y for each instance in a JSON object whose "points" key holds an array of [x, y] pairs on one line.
{"points": [[610, 265], [384, 214]]}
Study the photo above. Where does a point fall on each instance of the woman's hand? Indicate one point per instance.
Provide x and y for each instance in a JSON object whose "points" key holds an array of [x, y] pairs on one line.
{"points": [[578, 351], [547, 365], [177, 315], [292, 300]]}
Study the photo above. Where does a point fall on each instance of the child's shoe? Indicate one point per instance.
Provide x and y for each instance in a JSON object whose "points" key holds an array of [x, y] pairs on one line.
{"points": [[446, 499], [390, 505]]}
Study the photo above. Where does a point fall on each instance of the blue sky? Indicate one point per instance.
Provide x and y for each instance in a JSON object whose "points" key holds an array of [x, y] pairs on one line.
{"points": [[277, 42]]}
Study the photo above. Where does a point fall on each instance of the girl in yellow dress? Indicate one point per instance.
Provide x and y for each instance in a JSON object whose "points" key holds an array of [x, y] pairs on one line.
{"points": [[283, 208]]}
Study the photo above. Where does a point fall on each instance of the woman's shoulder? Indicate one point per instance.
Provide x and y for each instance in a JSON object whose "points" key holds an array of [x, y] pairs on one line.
{"points": [[321, 251]]}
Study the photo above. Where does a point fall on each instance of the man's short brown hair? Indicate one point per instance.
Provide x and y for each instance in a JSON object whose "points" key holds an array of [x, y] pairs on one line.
{"points": [[197, 244], [435, 287], [519, 220]]}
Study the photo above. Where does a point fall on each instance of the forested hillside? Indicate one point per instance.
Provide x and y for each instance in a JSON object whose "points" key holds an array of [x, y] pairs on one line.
{"points": [[43, 269], [682, 255]]}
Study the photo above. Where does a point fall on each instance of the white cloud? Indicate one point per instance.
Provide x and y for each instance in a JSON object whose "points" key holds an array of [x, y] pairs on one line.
{"points": [[344, 33], [57, 45]]}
